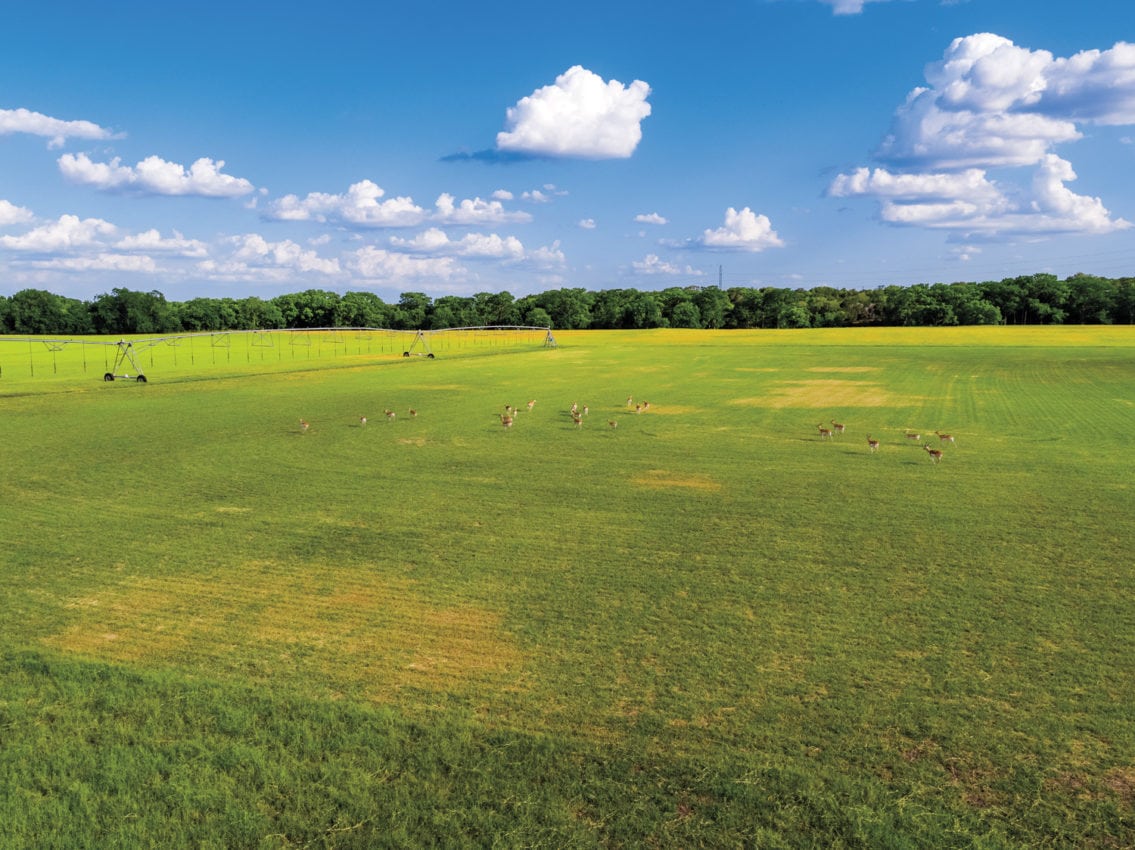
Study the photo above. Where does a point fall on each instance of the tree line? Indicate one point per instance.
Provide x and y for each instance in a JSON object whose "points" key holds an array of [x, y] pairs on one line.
{"points": [[1025, 300]]}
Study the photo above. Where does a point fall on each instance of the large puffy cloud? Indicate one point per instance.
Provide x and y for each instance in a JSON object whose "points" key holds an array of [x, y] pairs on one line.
{"points": [[743, 230], [991, 104], [56, 130], [580, 115], [156, 176]]}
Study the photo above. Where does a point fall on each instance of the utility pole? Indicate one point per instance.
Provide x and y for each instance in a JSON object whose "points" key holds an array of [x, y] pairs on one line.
{"points": [[719, 277]]}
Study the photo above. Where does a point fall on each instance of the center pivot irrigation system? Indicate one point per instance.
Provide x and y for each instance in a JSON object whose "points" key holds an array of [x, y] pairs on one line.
{"points": [[128, 351]]}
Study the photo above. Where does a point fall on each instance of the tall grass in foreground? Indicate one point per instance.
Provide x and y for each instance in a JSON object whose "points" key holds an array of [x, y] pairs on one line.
{"points": [[703, 627]]}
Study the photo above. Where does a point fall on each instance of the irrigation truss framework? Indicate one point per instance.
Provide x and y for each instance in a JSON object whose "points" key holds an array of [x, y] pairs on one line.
{"points": [[413, 342]]}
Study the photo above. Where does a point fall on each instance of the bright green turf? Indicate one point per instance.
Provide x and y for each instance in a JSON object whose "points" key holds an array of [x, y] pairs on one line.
{"points": [[705, 627]]}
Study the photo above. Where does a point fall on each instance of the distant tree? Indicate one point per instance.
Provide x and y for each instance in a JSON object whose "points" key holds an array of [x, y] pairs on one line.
{"points": [[713, 306], [745, 307], [124, 311], [364, 310], [1008, 296], [1091, 300], [1124, 310], [685, 314], [257, 314], [570, 309], [537, 317], [412, 311]]}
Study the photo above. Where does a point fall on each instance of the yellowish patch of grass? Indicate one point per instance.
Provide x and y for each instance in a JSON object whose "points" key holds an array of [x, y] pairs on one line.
{"points": [[828, 394], [661, 479], [371, 633]]}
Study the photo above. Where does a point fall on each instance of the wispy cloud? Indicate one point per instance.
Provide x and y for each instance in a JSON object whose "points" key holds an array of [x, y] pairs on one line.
{"points": [[55, 130]]}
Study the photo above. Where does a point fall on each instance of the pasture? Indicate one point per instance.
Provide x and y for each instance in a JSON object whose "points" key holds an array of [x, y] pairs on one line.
{"points": [[707, 626]]}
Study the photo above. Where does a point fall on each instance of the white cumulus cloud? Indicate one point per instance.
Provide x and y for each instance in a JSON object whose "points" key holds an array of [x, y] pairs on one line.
{"points": [[69, 233], [650, 218], [580, 116], [473, 211], [435, 241], [392, 267], [652, 264], [152, 240], [11, 214], [156, 176], [56, 130], [743, 230]]}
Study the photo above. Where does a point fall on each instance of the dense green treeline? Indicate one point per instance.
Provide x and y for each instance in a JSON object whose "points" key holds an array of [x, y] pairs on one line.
{"points": [[1030, 299]]}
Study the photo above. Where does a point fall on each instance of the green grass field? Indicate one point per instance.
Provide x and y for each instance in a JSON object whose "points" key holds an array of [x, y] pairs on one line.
{"points": [[705, 627]]}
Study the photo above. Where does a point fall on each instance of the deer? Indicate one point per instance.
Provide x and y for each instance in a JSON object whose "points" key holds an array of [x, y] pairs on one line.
{"points": [[638, 408], [630, 400], [585, 409], [837, 427], [945, 438], [646, 405], [872, 444], [304, 425], [577, 419], [390, 415], [935, 454], [531, 405], [574, 408], [413, 412], [362, 421], [916, 437], [506, 420], [825, 433], [612, 423]]}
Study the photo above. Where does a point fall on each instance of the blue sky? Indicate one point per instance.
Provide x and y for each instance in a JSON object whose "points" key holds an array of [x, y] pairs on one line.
{"points": [[234, 149]]}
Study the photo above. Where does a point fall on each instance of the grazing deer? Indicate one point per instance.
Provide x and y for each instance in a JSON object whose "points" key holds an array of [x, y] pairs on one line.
{"points": [[916, 437], [531, 405], [304, 425], [825, 433], [945, 438], [413, 412], [506, 420], [935, 454], [872, 444], [362, 421], [612, 423], [837, 427], [389, 415]]}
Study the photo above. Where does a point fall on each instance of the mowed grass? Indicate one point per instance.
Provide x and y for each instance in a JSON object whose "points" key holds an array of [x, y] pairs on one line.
{"points": [[706, 626]]}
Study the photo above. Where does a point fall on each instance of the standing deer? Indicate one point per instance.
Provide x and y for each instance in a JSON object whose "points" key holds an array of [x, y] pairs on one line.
{"points": [[506, 420], [935, 454], [304, 425], [612, 423], [945, 438], [916, 437], [872, 444], [389, 415], [362, 421], [825, 433], [837, 427], [531, 405]]}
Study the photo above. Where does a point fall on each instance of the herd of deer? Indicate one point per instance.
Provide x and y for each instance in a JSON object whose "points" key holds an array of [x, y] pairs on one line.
{"points": [[827, 433]]}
